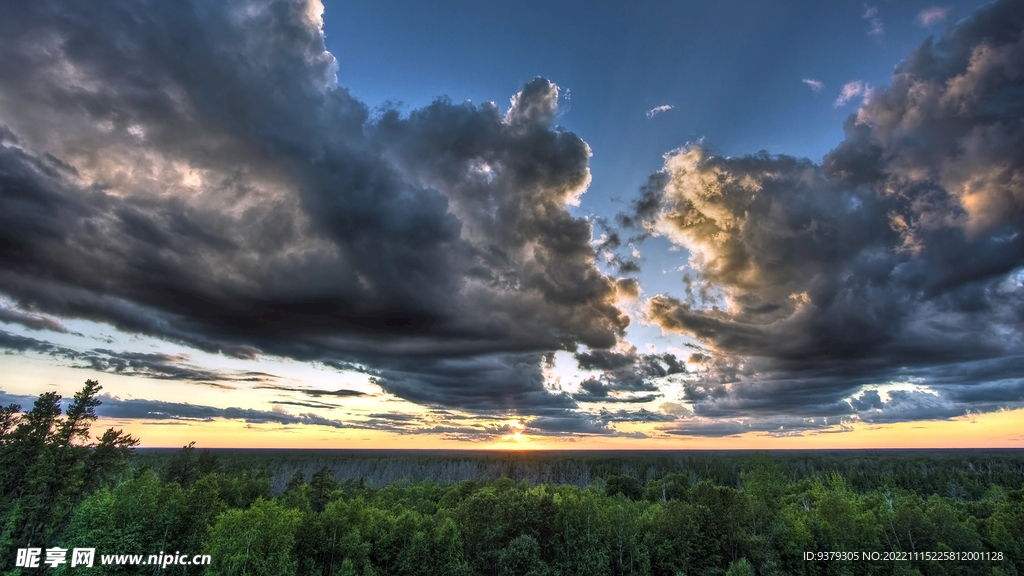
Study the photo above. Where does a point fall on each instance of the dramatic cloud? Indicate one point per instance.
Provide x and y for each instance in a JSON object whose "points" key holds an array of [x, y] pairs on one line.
{"points": [[626, 371], [195, 173], [162, 367], [157, 410], [640, 415], [770, 426], [139, 409], [903, 405], [317, 405], [149, 365], [931, 16], [658, 110], [815, 85], [30, 321], [342, 393], [17, 343], [567, 424], [899, 258]]}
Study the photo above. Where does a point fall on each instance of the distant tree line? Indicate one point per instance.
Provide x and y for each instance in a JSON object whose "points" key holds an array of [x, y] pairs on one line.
{"points": [[959, 474], [662, 515]]}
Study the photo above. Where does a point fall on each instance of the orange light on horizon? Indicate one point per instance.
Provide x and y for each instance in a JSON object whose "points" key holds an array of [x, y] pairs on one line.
{"points": [[992, 430]]}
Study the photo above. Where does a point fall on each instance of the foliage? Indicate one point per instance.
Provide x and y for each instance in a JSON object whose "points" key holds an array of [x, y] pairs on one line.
{"points": [[48, 465], [256, 541]]}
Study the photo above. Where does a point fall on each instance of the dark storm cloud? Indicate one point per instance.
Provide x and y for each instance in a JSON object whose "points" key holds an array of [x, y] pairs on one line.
{"points": [[24, 401], [341, 393], [604, 360], [17, 343], [149, 365], [478, 383], [483, 428], [716, 429], [508, 179], [161, 367], [898, 258], [195, 173], [987, 390], [479, 428], [608, 245], [904, 405], [597, 391], [138, 409], [640, 415], [868, 400], [400, 423], [773, 426], [306, 404], [30, 321], [624, 371], [396, 416], [567, 424]]}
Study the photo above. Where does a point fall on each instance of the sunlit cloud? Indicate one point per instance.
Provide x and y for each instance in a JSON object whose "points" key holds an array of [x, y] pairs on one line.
{"points": [[802, 292], [851, 90]]}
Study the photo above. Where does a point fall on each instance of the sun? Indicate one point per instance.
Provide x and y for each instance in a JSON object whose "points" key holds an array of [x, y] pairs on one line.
{"points": [[516, 433], [516, 437]]}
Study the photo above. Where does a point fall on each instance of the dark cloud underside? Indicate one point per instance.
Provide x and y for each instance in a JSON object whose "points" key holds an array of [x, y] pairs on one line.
{"points": [[195, 173], [898, 258]]}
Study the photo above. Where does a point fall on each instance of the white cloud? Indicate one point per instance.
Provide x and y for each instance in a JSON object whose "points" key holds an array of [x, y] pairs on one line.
{"points": [[850, 91], [658, 110], [815, 85], [931, 16]]}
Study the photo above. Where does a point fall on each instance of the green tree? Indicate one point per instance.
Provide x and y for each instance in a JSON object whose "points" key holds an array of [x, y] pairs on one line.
{"points": [[321, 486], [240, 489], [447, 550], [580, 536], [740, 567], [48, 465], [144, 516], [670, 534], [628, 486], [296, 492], [521, 557], [255, 542], [183, 467], [334, 537]]}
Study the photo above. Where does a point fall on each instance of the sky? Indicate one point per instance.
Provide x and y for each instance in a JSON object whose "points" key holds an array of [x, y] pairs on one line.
{"points": [[643, 225]]}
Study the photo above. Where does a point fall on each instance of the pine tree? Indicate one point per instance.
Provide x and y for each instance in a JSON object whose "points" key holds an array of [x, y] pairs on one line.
{"points": [[48, 466]]}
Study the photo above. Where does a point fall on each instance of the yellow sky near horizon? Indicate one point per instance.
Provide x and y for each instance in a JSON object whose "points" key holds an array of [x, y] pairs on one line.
{"points": [[29, 375], [993, 430], [32, 375]]}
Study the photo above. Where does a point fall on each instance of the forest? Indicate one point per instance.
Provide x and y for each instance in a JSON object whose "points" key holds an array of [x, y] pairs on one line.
{"points": [[425, 513]]}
